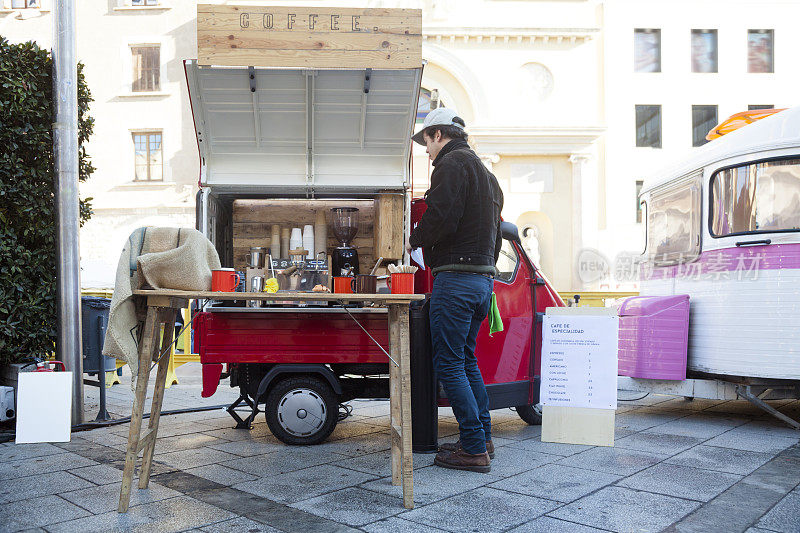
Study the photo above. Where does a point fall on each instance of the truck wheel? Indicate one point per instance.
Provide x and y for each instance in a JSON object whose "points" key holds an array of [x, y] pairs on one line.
{"points": [[301, 410], [530, 414]]}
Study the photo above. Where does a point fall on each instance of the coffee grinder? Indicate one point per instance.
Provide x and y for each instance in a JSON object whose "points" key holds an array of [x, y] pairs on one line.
{"points": [[344, 261]]}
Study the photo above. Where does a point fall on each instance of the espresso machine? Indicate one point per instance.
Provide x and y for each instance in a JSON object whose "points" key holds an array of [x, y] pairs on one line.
{"points": [[344, 260]]}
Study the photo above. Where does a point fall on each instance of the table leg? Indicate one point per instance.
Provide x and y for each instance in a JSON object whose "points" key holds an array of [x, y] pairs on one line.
{"points": [[147, 344], [404, 354], [168, 319], [395, 418]]}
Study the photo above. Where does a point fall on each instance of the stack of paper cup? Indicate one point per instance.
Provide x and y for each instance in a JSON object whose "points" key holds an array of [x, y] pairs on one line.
{"points": [[296, 239], [320, 234], [275, 242], [308, 240], [285, 232]]}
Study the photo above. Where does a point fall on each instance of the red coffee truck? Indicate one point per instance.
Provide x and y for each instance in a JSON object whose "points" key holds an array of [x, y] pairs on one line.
{"points": [[287, 148]]}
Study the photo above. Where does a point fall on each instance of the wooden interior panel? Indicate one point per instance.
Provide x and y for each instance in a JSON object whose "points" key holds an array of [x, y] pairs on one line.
{"points": [[253, 220], [389, 242]]}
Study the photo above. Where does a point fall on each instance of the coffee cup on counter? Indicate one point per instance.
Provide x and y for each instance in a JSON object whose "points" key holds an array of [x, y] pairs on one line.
{"points": [[364, 284], [342, 284], [224, 280]]}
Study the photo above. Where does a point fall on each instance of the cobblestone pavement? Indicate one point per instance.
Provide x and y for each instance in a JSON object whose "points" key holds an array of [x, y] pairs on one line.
{"points": [[677, 466]]}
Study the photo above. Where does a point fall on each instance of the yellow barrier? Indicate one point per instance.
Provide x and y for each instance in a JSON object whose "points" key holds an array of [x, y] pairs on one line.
{"points": [[595, 298]]}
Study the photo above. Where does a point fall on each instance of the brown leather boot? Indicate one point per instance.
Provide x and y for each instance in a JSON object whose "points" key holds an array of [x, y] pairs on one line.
{"points": [[461, 460], [453, 446]]}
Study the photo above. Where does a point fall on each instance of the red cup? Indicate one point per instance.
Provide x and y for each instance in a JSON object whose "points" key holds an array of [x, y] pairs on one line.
{"points": [[402, 283], [224, 280], [341, 284]]}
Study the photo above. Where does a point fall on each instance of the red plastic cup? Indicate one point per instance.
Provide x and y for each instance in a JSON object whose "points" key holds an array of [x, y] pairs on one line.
{"points": [[224, 280], [402, 283], [341, 284]]}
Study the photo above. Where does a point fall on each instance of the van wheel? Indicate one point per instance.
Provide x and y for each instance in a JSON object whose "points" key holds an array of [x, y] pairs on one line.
{"points": [[530, 414], [301, 410]]}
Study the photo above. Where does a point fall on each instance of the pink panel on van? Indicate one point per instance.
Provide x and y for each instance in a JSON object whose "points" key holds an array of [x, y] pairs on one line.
{"points": [[653, 337]]}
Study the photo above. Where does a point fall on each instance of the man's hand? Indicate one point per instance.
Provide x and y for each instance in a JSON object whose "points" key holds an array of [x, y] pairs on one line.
{"points": [[408, 248]]}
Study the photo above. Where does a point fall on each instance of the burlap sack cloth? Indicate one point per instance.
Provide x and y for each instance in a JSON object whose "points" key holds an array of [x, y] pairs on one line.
{"points": [[161, 258]]}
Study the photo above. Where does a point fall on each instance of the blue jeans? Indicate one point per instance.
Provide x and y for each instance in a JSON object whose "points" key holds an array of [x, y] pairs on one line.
{"points": [[459, 304]]}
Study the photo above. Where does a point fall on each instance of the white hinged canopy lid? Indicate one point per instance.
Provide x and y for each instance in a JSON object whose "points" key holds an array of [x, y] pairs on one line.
{"points": [[302, 129]]}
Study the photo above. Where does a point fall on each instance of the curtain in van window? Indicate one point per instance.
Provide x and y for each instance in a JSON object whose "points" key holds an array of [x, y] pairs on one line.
{"points": [[755, 198]]}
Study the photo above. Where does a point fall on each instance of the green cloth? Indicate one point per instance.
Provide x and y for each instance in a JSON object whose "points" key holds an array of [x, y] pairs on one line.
{"points": [[495, 321]]}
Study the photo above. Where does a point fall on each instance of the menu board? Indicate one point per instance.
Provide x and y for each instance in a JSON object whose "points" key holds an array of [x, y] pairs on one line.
{"points": [[579, 361]]}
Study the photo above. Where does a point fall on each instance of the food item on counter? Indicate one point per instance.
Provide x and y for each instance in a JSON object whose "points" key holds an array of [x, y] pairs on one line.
{"points": [[271, 285], [320, 288]]}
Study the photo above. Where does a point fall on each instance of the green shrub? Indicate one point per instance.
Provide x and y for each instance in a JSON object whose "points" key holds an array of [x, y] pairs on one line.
{"points": [[28, 320]]}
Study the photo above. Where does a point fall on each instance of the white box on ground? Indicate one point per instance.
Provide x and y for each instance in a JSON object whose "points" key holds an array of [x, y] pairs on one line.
{"points": [[44, 402], [579, 375]]}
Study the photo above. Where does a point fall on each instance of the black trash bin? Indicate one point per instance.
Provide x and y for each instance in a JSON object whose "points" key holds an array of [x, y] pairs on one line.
{"points": [[94, 321], [424, 407]]}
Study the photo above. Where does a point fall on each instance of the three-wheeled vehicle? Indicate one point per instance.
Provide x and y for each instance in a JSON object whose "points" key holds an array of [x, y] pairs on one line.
{"points": [[279, 146]]}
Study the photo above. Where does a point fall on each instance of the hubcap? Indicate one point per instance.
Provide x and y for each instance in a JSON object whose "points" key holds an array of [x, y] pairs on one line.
{"points": [[301, 412]]}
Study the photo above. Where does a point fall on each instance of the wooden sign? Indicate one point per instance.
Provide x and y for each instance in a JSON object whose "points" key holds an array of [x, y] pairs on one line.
{"points": [[324, 37]]}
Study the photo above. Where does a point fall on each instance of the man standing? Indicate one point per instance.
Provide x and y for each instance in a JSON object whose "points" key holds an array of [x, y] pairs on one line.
{"points": [[460, 237]]}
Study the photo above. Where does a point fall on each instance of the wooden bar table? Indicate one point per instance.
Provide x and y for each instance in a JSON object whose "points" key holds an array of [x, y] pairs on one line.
{"points": [[160, 306]]}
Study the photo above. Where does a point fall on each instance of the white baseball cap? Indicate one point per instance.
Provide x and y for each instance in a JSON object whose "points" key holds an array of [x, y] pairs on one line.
{"points": [[441, 116]]}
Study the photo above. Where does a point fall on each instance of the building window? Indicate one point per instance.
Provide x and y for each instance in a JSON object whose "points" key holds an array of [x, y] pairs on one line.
{"points": [[646, 50], [704, 118], [24, 4], [146, 68], [144, 2], [704, 50], [148, 152], [428, 101], [639, 184], [648, 126], [759, 50], [755, 107]]}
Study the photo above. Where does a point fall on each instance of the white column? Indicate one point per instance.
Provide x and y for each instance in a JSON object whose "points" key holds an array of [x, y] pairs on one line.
{"points": [[584, 210]]}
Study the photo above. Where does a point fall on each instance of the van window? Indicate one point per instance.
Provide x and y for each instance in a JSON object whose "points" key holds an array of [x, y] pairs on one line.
{"points": [[507, 262], [673, 224], [756, 198]]}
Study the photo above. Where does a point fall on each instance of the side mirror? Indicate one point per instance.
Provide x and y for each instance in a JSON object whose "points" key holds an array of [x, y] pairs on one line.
{"points": [[510, 231]]}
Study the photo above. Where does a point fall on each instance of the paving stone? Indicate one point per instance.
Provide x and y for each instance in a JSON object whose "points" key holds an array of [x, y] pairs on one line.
{"points": [[545, 524], [221, 474], [249, 448], [554, 448], [758, 530], [555, 482], [105, 498], [304, 484], [288, 459], [230, 433], [638, 420], [721, 459], [753, 440], [99, 474], [16, 452], [353, 506], [239, 525], [197, 457], [174, 514], [106, 439], [613, 460], [379, 464], [352, 429], [36, 512], [358, 445], [770, 426], [681, 481], [398, 525], [433, 483], [510, 460], [701, 425], [784, 517], [518, 430], [481, 510], [23, 488], [621, 509], [652, 441], [42, 465]]}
